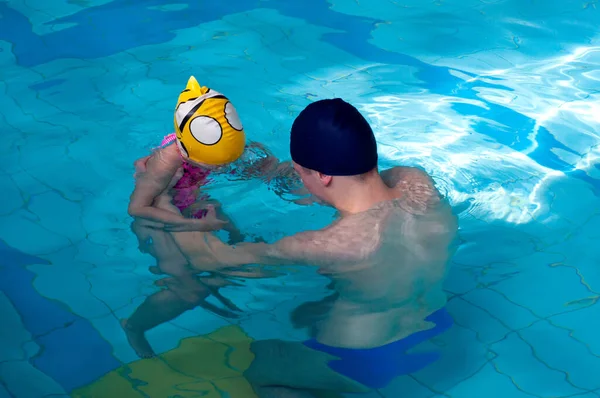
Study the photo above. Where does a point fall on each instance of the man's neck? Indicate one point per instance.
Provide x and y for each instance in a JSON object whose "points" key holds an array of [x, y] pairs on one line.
{"points": [[357, 196]]}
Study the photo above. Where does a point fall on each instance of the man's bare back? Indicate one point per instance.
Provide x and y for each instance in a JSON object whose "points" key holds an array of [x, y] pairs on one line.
{"points": [[388, 264]]}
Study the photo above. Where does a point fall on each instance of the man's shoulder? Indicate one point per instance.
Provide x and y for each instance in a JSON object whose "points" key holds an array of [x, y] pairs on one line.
{"points": [[416, 187], [406, 174], [350, 238]]}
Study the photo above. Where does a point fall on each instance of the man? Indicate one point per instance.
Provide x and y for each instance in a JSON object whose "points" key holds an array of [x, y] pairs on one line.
{"points": [[386, 256]]}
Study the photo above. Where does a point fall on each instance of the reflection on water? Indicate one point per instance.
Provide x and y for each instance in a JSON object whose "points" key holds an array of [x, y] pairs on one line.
{"points": [[501, 181]]}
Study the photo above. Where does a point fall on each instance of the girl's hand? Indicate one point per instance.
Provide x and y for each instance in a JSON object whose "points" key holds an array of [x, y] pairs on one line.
{"points": [[140, 165]]}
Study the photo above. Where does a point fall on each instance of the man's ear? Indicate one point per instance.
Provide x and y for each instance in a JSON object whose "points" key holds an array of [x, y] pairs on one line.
{"points": [[325, 179]]}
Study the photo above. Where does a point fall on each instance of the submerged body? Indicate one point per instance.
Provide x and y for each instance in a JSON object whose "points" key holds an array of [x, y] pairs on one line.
{"points": [[387, 265], [159, 176], [169, 198]]}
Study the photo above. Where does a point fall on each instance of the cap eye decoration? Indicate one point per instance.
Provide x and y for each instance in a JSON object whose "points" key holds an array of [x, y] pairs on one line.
{"points": [[232, 117], [206, 130]]}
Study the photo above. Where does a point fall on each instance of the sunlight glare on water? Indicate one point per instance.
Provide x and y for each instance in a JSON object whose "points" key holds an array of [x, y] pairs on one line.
{"points": [[562, 94], [500, 179]]}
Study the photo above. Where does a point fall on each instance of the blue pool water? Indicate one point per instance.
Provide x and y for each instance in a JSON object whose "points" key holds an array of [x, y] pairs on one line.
{"points": [[497, 99]]}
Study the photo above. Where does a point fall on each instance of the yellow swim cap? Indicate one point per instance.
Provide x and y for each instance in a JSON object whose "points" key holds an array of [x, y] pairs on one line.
{"points": [[207, 126]]}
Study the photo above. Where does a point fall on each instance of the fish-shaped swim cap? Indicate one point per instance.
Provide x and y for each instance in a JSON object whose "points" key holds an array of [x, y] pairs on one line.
{"points": [[207, 126]]}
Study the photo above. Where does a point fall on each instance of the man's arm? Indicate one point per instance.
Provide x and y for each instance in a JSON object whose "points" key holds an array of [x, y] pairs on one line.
{"points": [[304, 248]]}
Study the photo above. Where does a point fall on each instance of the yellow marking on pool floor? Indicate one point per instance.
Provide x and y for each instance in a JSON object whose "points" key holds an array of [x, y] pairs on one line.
{"points": [[201, 366], [207, 366]]}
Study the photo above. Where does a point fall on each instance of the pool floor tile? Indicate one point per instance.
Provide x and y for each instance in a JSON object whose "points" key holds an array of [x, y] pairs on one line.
{"points": [[28, 185], [477, 319], [78, 297], [59, 215], [554, 288], [115, 288], [517, 359], [264, 326], [201, 321], [487, 383], [23, 380], [13, 335], [584, 325], [582, 259], [508, 314], [74, 355], [372, 394], [167, 336], [572, 358], [564, 190], [109, 327], [508, 244], [4, 392], [460, 280], [462, 356], [72, 186], [11, 198], [20, 224], [493, 273], [406, 386]]}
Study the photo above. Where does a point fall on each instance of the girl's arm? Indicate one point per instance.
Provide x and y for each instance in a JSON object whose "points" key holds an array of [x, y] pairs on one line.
{"points": [[161, 170]]}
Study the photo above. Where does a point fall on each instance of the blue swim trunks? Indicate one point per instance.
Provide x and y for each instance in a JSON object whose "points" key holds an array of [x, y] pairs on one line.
{"points": [[377, 367]]}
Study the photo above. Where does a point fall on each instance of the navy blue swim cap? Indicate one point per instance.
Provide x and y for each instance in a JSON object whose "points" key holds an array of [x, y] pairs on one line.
{"points": [[332, 137]]}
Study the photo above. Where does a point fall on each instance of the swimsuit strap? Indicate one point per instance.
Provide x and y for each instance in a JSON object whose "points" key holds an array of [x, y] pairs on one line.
{"points": [[168, 139]]}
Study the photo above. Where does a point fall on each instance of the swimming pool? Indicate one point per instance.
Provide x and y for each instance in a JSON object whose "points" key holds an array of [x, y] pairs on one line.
{"points": [[498, 99]]}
